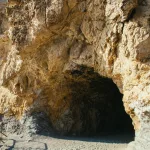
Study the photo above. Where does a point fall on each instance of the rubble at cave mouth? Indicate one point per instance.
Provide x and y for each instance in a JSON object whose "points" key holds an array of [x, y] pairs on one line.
{"points": [[96, 106]]}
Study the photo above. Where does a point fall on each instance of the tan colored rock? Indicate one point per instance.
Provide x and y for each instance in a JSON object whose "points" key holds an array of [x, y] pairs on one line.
{"points": [[45, 39]]}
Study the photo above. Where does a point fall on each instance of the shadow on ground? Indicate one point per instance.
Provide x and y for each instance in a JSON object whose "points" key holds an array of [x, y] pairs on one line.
{"points": [[103, 137]]}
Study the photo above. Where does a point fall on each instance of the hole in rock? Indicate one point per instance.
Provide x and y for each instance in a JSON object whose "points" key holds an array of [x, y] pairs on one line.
{"points": [[131, 15], [96, 107]]}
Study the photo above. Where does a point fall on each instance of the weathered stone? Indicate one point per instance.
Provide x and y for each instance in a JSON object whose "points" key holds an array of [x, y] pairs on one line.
{"points": [[41, 42]]}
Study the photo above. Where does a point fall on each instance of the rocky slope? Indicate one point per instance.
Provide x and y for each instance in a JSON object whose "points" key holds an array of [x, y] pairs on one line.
{"points": [[50, 52]]}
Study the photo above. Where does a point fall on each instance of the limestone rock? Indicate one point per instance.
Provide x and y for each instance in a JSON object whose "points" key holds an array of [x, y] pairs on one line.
{"points": [[42, 43]]}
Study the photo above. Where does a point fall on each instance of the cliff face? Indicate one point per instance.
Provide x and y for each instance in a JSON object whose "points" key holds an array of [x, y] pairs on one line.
{"points": [[45, 47]]}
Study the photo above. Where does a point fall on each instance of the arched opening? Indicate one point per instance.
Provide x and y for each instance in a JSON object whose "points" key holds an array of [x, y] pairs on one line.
{"points": [[94, 108], [96, 105]]}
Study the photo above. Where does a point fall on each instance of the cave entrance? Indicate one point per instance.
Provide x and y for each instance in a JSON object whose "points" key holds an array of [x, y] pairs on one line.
{"points": [[96, 105]]}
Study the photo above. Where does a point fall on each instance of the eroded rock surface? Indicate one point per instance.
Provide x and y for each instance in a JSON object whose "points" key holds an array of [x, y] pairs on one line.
{"points": [[42, 42]]}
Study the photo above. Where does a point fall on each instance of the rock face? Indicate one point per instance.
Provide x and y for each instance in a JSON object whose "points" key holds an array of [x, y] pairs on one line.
{"points": [[48, 47]]}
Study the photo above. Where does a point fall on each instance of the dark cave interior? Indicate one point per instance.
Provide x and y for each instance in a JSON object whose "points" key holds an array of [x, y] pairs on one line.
{"points": [[96, 105], [95, 108]]}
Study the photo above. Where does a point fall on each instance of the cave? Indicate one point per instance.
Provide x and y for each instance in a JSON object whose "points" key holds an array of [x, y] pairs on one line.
{"points": [[96, 106]]}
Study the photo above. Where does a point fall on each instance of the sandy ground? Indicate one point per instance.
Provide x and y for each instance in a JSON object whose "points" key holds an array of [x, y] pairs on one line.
{"points": [[39, 142]]}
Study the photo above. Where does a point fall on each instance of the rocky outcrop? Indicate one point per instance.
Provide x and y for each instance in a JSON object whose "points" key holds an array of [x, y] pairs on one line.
{"points": [[43, 42]]}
